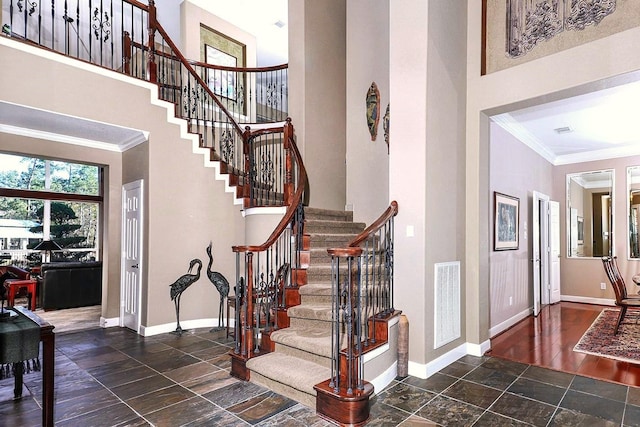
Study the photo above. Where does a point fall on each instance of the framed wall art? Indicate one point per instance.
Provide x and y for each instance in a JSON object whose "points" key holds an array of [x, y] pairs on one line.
{"points": [[518, 31], [506, 216], [221, 82]]}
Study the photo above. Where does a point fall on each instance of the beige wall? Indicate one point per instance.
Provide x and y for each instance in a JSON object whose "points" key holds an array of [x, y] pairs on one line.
{"points": [[516, 170], [191, 18], [367, 62], [581, 277], [317, 75], [186, 207], [527, 84], [426, 169]]}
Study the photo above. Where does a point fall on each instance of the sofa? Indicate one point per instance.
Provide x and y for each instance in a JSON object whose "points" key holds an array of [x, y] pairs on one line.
{"points": [[70, 284]]}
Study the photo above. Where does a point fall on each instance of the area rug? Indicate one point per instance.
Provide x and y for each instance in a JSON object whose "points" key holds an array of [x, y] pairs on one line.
{"points": [[599, 339]]}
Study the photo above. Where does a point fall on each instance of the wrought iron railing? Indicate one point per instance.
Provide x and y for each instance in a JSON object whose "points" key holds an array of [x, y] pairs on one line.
{"points": [[125, 36], [362, 295], [265, 272]]}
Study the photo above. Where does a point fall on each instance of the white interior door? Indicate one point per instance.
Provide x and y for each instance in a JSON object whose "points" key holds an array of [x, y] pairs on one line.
{"points": [[130, 285], [554, 253], [538, 208], [544, 252]]}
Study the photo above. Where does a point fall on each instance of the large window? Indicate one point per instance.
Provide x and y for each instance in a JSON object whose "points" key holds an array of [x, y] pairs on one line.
{"points": [[43, 199]]}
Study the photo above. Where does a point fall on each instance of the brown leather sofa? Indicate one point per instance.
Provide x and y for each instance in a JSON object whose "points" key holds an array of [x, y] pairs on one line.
{"points": [[70, 284]]}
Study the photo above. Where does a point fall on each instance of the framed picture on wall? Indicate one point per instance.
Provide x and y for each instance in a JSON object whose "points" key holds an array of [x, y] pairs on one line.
{"points": [[506, 217], [221, 82]]}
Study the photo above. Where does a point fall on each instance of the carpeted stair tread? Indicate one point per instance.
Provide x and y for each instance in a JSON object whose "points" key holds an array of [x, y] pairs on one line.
{"points": [[318, 311], [295, 372], [312, 340], [323, 289]]}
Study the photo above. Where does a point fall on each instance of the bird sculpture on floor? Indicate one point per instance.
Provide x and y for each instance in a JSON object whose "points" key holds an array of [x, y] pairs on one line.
{"points": [[180, 285], [222, 285]]}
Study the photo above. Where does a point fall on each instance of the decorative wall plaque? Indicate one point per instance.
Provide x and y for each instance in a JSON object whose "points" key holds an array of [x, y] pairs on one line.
{"points": [[373, 107]]}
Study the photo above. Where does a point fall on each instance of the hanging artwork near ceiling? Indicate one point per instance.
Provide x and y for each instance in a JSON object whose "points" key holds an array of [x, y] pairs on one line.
{"points": [[517, 31], [373, 110], [385, 126]]}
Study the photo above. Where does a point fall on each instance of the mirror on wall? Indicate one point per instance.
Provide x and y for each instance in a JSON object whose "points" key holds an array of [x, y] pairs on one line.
{"points": [[633, 191], [590, 214]]}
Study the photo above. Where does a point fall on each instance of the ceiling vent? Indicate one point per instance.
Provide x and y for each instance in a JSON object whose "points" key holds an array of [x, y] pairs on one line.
{"points": [[279, 24], [565, 129]]}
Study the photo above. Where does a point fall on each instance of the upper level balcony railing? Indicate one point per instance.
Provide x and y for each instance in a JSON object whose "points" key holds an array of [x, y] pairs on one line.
{"points": [[118, 34], [217, 102]]}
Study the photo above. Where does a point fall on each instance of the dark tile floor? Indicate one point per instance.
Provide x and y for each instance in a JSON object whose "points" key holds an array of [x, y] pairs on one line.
{"points": [[113, 377]]}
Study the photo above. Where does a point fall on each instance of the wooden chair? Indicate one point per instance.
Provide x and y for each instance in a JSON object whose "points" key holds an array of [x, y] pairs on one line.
{"points": [[623, 300]]}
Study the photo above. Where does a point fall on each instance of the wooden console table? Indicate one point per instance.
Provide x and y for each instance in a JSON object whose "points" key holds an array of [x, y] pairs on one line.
{"points": [[47, 337]]}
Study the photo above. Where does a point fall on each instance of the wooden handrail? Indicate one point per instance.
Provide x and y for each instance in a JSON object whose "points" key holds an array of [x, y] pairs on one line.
{"points": [[240, 69], [293, 206], [391, 211], [137, 4], [201, 82]]}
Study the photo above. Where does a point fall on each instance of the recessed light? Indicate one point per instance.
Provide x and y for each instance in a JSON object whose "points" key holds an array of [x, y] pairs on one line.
{"points": [[564, 129]]}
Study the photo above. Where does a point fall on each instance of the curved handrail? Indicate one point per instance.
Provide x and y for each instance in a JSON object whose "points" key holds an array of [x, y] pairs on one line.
{"points": [[192, 71], [391, 211], [240, 69], [293, 206]]}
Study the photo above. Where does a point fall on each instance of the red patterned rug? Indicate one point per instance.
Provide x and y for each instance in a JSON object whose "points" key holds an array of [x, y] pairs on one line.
{"points": [[600, 341]]}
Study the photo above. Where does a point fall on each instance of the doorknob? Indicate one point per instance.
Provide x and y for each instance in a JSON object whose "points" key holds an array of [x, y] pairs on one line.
{"points": [[134, 266]]}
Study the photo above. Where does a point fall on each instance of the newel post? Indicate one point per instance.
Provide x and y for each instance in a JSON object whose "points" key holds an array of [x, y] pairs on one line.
{"points": [[288, 177], [247, 328], [153, 23]]}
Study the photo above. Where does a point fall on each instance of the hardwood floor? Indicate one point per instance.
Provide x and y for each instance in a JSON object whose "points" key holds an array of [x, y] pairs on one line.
{"points": [[548, 341]]}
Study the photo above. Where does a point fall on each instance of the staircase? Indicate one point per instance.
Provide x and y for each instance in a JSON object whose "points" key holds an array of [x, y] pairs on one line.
{"points": [[302, 352]]}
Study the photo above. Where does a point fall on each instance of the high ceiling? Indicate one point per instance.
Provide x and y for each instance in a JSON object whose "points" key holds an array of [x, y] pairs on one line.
{"points": [[265, 19], [598, 125]]}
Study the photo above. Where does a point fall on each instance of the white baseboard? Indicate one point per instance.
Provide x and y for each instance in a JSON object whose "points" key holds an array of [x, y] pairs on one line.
{"points": [[478, 350], [423, 371], [510, 322], [147, 331], [109, 322], [587, 300], [385, 378]]}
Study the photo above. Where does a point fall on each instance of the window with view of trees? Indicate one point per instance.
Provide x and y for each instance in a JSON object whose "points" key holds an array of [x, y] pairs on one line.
{"points": [[44, 199]]}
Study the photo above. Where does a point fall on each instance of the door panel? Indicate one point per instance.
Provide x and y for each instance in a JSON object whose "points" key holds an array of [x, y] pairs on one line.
{"points": [[131, 286], [554, 254]]}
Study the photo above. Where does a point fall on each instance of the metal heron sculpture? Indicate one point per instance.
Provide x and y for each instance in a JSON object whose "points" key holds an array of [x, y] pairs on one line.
{"points": [[180, 285], [222, 285]]}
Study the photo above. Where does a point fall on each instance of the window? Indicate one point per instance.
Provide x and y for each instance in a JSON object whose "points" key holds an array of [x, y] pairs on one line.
{"points": [[43, 199]]}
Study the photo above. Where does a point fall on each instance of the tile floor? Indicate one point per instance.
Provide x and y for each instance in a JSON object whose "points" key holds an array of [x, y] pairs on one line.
{"points": [[113, 377]]}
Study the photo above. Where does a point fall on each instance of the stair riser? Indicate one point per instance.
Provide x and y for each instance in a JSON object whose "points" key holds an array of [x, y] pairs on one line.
{"points": [[327, 215], [333, 227], [319, 257], [301, 354], [316, 299], [330, 240], [309, 323], [290, 392]]}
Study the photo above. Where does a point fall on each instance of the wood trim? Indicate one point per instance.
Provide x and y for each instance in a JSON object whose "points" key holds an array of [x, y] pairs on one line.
{"points": [[48, 195], [391, 211], [241, 69], [483, 53]]}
